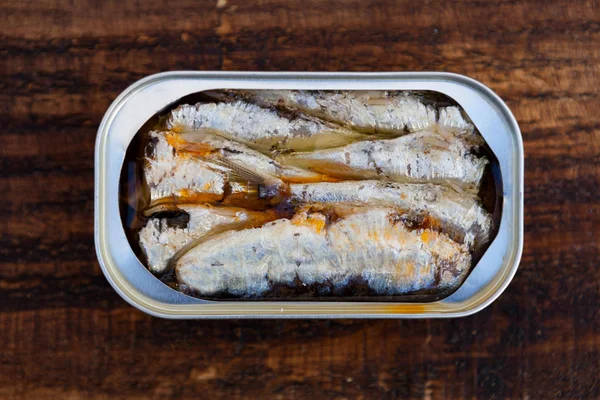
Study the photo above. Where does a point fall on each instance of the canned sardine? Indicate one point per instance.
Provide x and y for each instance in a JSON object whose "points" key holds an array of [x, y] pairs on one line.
{"points": [[308, 195]]}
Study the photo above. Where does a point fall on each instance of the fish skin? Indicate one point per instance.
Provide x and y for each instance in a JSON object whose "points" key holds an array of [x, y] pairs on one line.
{"points": [[458, 214], [173, 177], [160, 242], [259, 128], [424, 157], [366, 243]]}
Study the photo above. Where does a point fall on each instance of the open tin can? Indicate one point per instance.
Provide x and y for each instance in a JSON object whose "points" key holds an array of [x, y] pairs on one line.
{"points": [[136, 105]]}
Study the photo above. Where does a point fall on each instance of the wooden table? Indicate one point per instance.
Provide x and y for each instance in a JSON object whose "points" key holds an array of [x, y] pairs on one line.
{"points": [[65, 333]]}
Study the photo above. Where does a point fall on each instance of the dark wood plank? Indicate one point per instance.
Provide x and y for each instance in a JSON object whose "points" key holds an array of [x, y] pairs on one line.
{"points": [[66, 334]]}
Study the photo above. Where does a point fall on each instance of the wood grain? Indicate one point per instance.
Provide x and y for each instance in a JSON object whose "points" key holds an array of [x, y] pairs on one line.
{"points": [[66, 334]]}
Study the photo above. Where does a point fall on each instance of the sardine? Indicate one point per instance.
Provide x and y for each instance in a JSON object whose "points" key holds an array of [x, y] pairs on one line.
{"points": [[365, 111], [173, 177], [417, 157], [458, 214], [161, 239], [202, 167], [227, 153], [317, 246], [259, 128]]}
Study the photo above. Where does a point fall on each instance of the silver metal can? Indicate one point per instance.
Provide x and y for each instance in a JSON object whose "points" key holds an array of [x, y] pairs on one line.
{"points": [[145, 98]]}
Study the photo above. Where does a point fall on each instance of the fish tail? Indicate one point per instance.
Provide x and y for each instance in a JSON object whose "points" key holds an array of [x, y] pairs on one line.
{"points": [[266, 186], [189, 142], [170, 203]]}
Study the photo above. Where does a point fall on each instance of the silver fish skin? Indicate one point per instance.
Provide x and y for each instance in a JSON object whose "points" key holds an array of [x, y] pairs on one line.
{"points": [[458, 214], [160, 242], [259, 128], [171, 176], [365, 243], [418, 157]]}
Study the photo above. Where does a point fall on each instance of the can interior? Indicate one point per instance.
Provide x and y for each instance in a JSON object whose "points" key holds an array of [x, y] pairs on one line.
{"points": [[134, 198]]}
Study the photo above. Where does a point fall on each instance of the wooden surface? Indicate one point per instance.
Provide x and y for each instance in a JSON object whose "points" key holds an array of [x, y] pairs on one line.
{"points": [[65, 333]]}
